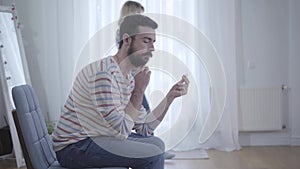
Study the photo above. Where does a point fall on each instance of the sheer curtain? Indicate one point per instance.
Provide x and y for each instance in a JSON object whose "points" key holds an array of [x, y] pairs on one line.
{"points": [[86, 32]]}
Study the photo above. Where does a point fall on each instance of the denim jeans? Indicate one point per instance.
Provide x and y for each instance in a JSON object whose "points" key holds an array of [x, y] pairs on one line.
{"points": [[136, 151]]}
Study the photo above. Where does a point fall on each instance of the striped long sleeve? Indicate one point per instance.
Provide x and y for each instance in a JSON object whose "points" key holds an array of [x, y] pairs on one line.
{"points": [[95, 106]]}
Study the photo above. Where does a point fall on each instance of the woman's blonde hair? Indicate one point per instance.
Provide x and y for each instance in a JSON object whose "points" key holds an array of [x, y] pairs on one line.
{"points": [[130, 7]]}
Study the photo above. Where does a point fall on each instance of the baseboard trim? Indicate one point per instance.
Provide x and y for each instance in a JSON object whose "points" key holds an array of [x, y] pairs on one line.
{"points": [[295, 141], [265, 139]]}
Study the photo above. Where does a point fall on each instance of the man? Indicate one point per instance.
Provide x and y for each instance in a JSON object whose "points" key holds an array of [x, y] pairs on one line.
{"points": [[105, 105], [133, 7]]}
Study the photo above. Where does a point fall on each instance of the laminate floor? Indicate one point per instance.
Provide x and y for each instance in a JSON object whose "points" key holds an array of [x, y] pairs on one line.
{"points": [[273, 157]]}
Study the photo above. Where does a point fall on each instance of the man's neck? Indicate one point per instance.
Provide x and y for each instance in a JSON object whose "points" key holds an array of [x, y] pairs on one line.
{"points": [[124, 63]]}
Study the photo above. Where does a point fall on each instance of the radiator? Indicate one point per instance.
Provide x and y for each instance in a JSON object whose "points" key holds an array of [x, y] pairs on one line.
{"points": [[260, 108]]}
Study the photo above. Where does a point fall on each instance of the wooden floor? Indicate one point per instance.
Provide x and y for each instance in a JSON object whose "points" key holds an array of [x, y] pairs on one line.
{"points": [[282, 157]]}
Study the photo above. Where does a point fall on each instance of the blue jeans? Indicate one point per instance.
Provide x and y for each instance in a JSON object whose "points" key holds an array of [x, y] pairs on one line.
{"points": [[136, 151]]}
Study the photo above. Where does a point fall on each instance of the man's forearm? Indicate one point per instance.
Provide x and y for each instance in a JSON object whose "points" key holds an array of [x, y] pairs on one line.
{"points": [[160, 111], [133, 107]]}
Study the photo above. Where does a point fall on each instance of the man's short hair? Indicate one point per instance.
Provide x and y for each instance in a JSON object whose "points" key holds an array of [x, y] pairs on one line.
{"points": [[131, 23]]}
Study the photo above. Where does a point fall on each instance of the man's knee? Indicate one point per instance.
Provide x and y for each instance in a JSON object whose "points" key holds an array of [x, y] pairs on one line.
{"points": [[159, 143]]}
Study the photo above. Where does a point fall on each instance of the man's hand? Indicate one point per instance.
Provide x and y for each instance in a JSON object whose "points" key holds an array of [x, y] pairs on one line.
{"points": [[142, 79], [179, 89]]}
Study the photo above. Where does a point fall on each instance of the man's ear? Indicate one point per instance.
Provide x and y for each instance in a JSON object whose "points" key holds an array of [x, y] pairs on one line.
{"points": [[126, 39]]}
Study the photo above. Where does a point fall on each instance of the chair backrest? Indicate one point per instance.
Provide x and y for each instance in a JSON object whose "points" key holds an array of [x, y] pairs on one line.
{"points": [[33, 128]]}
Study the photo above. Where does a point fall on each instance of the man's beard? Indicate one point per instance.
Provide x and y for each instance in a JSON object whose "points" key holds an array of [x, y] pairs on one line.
{"points": [[137, 59]]}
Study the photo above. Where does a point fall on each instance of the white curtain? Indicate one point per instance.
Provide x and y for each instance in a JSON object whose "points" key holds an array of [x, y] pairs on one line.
{"points": [[85, 32]]}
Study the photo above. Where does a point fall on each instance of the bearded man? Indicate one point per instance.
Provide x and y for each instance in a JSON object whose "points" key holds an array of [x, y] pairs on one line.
{"points": [[103, 122]]}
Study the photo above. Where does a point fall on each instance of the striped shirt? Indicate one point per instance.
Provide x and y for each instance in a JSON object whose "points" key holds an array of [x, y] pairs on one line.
{"points": [[95, 106]]}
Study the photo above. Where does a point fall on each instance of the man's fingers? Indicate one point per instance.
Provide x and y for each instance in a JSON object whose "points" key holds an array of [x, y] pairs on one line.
{"points": [[143, 69], [180, 92], [184, 80], [147, 71], [146, 68]]}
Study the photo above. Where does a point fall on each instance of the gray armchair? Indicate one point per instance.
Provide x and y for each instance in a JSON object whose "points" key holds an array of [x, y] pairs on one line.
{"points": [[31, 127]]}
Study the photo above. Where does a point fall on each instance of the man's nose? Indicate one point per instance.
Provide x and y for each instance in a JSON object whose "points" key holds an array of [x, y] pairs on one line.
{"points": [[151, 48]]}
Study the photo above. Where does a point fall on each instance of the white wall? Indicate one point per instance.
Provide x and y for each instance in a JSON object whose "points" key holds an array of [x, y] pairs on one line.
{"points": [[6, 2], [45, 46], [32, 16], [265, 41], [269, 56], [266, 35], [294, 69]]}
